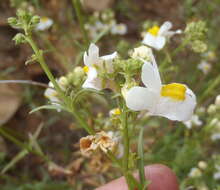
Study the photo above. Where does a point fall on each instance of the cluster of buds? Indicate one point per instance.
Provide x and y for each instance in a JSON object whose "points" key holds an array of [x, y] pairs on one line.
{"points": [[195, 34], [197, 171], [100, 141]]}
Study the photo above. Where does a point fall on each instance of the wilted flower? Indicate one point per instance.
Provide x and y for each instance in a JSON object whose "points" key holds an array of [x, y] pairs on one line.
{"points": [[93, 63], [193, 121], [156, 36], [44, 24], [174, 101], [120, 29], [88, 145], [205, 67], [106, 141], [195, 173]]}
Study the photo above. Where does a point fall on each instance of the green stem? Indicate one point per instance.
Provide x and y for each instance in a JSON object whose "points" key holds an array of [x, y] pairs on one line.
{"points": [[210, 88], [182, 46], [126, 146], [77, 6], [40, 58], [82, 122], [141, 157]]}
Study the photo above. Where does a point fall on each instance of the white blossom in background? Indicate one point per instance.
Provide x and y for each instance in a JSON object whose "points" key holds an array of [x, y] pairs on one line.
{"points": [[216, 175], [120, 29], [44, 24], [195, 173], [93, 62], [174, 101], [156, 36], [217, 101], [193, 121], [205, 67]]}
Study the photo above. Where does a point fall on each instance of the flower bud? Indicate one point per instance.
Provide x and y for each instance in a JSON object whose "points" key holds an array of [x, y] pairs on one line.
{"points": [[202, 165], [142, 52], [19, 38], [211, 109], [35, 19], [12, 21]]}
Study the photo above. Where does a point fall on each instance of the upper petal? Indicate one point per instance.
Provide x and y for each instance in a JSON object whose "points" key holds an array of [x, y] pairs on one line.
{"points": [[150, 77], [166, 26], [93, 55], [140, 98], [176, 110], [110, 57]]}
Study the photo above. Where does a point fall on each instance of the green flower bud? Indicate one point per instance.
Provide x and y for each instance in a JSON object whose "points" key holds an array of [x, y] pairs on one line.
{"points": [[199, 46], [19, 38], [12, 21], [35, 20], [196, 30]]}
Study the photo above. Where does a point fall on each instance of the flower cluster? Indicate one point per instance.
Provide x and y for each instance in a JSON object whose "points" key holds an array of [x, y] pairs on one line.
{"points": [[195, 34], [103, 21]]}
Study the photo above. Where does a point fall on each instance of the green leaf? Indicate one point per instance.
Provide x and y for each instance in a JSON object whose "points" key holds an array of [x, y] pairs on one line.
{"points": [[83, 92], [16, 159], [53, 107]]}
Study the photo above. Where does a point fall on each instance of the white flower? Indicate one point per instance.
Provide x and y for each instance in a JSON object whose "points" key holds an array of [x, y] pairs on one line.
{"points": [[44, 24], [52, 94], [174, 101], [120, 29], [92, 63], [215, 136], [193, 121], [216, 175], [156, 36], [205, 67], [195, 173], [217, 100]]}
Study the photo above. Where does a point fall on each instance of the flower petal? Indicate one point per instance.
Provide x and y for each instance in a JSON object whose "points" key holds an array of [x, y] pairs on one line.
{"points": [[92, 80], [149, 40], [150, 77], [93, 55], [176, 110], [159, 42], [108, 61], [140, 98], [166, 26], [110, 57]]}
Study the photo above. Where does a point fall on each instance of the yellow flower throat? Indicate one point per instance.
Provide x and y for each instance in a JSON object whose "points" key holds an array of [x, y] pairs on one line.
{"points": [[175, 91], [154, 30], [86, 69]]}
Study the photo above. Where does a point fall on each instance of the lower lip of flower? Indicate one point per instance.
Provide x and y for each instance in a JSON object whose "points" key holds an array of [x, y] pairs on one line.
{"points": [[174, 91]]}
